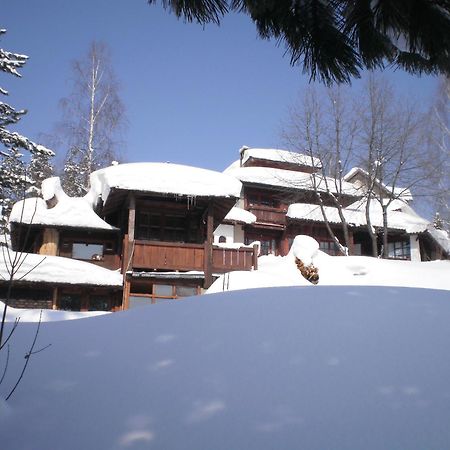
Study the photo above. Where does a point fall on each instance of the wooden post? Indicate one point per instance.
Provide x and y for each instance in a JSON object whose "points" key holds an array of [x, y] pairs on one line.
{"points": [[55, 298], [255, 256], [208, 245], [131, 216], [128, 249], [351, 242], [126, 292], [50, 241]]}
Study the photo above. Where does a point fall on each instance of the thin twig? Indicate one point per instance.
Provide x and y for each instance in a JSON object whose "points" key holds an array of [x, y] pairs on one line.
{"points": [[27, 358]]}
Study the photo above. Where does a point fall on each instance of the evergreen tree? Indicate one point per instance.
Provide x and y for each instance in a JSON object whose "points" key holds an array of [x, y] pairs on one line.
{"points": [[13, 177], [335, 39], [39, 169]]}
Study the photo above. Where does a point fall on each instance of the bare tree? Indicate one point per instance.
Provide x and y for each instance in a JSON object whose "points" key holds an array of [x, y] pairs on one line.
{"points": [[93, 119], [440, 151], [391, 151], [386, 136], [323, 126], [15, 271]]}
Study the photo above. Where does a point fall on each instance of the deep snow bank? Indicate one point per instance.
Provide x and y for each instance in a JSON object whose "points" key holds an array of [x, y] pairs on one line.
{"points": [[286, 368]]}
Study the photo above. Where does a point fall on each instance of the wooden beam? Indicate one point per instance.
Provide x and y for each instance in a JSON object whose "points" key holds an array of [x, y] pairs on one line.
{"points": [[126, 293], [255, 256], [131, 216], [208, 245], [55, 298]]}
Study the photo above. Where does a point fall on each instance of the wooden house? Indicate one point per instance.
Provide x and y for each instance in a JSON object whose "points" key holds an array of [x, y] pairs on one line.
{"points": [[151, 222], [147, 232], [280, 191]]}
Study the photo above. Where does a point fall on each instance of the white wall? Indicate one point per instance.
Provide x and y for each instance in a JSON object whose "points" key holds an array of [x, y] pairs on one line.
{"points": [[239, 234], [224, 230], [415, 248]]}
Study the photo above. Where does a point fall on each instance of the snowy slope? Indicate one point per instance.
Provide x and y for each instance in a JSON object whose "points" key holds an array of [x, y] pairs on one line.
{"points": [[339, 270], [340, 368]]}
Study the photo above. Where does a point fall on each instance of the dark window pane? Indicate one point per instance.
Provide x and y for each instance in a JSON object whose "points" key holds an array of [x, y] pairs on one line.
{"points": [[99, 303], [70, 302], [186, 291]]}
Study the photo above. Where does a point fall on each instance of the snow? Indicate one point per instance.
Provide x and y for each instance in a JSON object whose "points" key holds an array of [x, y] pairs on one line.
{"points": [[48, 315], [240, 215], [286, 179], [315, 367], [400, 215], [311, 212], [304, 248], [74, 212], [277, 155], [400, 192], [441, 237], [163, 178], [56, 269]]}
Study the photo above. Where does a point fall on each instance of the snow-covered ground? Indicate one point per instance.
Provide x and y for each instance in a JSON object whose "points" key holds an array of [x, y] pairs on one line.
{"points": [[335, 271], [319, 367], [301, 366]]}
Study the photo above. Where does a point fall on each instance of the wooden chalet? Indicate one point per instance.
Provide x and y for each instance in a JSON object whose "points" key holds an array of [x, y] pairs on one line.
{"points": [[152, 222], [273, 180], [278, 192], [164, 231]]}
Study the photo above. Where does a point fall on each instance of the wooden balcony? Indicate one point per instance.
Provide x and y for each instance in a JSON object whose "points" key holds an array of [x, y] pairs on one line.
{"points": [[229, 259], [269, 215], [172, 256]]}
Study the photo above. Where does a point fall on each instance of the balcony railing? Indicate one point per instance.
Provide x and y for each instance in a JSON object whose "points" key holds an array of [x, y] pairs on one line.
{"points": [[172, 256], [268, 215]]}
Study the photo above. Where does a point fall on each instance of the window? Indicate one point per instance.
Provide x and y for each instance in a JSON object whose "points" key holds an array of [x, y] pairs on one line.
{"points": [[92, 252], [152, 293], [136, 301], [70, 302], [399, 250], [163, 226], [99, 303], [262, 200], [186, 291], [329, 247], [163, 290]]}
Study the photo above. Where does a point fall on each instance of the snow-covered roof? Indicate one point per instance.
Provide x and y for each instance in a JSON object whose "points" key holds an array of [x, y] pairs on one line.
{"points": [[278, 155], [74, 212], [400, 192], [313, 213], [56, 269], [240, 215], [281, 178], [400, 215], [441, 237], [163, 178]]}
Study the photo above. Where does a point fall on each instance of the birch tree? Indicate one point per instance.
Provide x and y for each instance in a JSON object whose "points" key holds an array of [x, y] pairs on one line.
{"points": [[93, 119]]}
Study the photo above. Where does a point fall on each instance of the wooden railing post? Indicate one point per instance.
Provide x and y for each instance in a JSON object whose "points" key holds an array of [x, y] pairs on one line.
{"points": [[255, 256], [208, 246]]}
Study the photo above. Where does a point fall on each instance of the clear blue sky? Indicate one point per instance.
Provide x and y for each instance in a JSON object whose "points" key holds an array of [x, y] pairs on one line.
{"points": [[193, 95]]}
